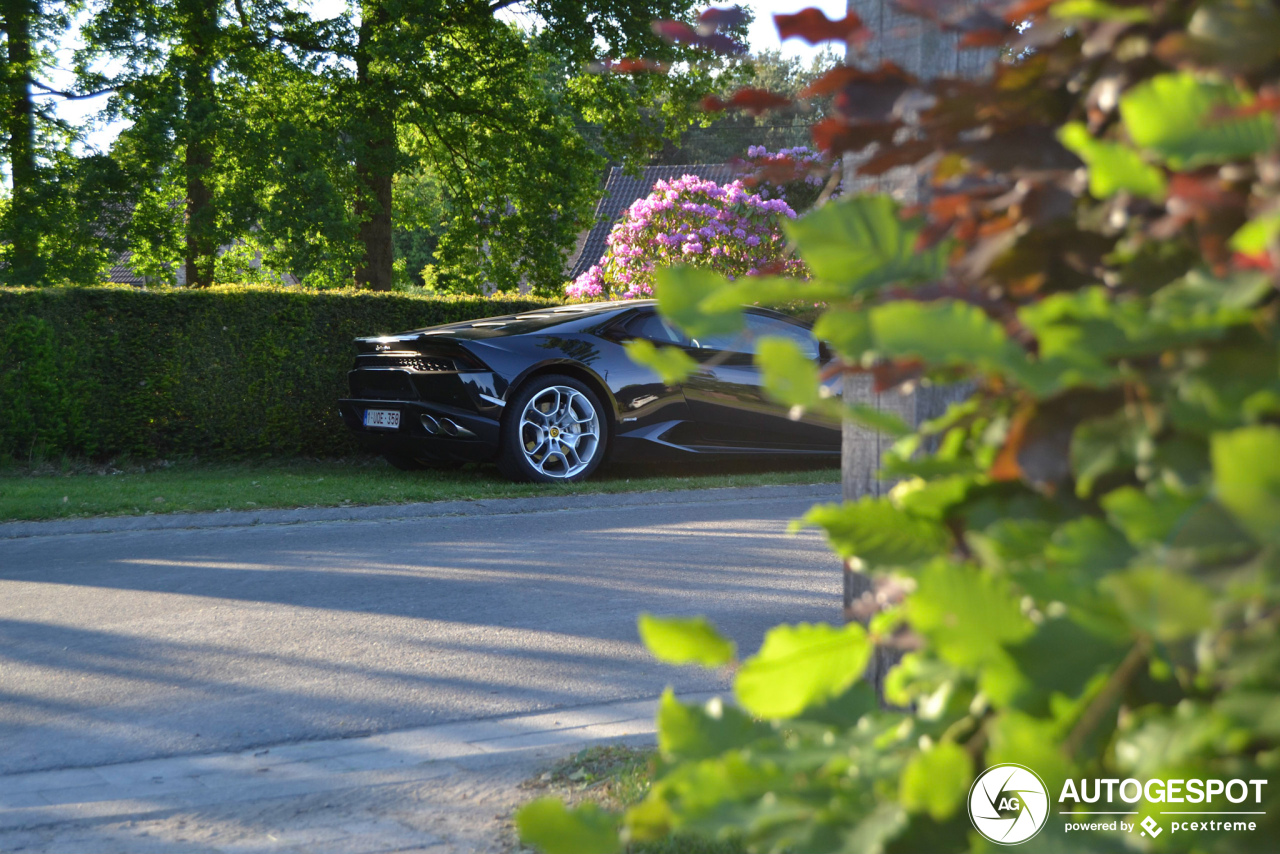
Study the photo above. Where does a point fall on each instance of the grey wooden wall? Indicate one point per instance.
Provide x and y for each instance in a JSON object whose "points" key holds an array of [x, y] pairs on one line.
{"points": [[920, 47], [927, 51]]}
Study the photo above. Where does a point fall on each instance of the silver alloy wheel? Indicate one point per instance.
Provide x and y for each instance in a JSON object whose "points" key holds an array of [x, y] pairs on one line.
{"points": [[559, 431]]}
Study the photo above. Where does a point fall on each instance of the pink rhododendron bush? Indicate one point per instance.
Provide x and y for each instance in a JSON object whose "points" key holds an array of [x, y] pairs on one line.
{"points": [[695, 222]]}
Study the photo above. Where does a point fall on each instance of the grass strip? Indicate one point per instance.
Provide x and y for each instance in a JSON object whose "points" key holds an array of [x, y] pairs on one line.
{"points": [[616, 776], [71, 490]]}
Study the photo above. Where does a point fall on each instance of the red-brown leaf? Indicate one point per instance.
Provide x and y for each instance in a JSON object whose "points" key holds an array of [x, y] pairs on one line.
{"points": [[1005, 467], [930, 10], [977, 21], [835, 136], [1260, 261], [1268, 101], [676, 31], [1026, 10], [1201, 196], [781, 171], [985, 38], [772, 268], [720, 43], [950, 16], [631, 65], [716, 18], [843, 75], [815, 27], [890, 375], [863, 95], [757, 101]]}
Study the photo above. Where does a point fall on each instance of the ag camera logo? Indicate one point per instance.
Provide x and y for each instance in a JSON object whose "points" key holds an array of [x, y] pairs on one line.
{"points": [[1008, 804]]}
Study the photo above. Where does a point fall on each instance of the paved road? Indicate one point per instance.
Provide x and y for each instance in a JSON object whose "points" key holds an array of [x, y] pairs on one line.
{"points": [[116, 647]]}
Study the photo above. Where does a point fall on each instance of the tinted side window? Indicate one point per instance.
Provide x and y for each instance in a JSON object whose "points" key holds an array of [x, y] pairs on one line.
{"points": [[758, 326], [651, 327]]}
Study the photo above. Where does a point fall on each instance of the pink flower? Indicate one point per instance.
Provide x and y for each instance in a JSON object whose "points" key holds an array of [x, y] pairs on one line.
{"points": [[728, 228]]}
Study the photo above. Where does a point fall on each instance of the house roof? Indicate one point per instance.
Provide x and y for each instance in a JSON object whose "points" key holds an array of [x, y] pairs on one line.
{"points": [[121, 273], [621, 190]]}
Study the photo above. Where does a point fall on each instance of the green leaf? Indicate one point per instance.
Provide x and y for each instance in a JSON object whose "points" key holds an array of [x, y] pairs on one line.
{"points": [[848, 331], [873, 832], [1175, 115], [1246, 478], [845, 709], [1240, 35], [798, 666], [699, 732], [1148, 517], [1160, 602], [672, 364], [1113, 167], [789, 376], [1202, 299], [1062, 657], [946, 332], [968, 615], [1006, 543], [930, 499], [1090, 324], [769, 290], [649, 820], [1088, 547], [685, 640], [1023, 740], [1099, 10], [1255, 235], [877, 533], [936, 781], [1100, 446], [551, 827], [681, 292], [880, 420], [861, 244]]}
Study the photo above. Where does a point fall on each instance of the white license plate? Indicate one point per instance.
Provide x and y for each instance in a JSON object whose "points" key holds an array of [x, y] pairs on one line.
{"points": [[388, 418]]}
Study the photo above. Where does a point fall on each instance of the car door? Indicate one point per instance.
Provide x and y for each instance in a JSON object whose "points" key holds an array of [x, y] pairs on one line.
{"points": [[643, 399], [726, 396]]}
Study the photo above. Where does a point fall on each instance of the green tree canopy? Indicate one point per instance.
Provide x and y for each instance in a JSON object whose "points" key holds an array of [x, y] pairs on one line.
{"points": [[260, 123]]}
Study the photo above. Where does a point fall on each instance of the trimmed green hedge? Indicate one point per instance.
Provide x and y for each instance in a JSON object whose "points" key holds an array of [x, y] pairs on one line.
{"points": [[225, 371]]}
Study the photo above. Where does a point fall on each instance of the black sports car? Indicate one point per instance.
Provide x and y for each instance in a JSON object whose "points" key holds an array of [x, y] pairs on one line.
{"points": [[550, 393]]}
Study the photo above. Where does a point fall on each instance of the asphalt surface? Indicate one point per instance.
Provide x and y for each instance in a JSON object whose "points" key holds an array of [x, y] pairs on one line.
{"points": [[139, 644]]}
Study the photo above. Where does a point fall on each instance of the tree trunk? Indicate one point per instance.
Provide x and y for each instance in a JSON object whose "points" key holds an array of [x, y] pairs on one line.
{"points": [[376, 151], [25, 264], [197, 84]]}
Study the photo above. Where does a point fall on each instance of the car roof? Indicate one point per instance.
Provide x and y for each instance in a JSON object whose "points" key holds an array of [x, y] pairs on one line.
{"points": [[533, 321], [576, 316]]}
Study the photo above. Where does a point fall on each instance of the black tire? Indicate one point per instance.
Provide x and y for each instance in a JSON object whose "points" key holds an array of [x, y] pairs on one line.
{"points": [[405, 462], [574, 436]]}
